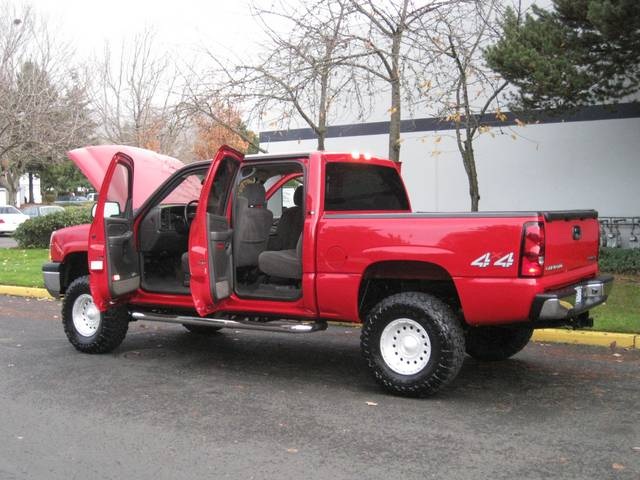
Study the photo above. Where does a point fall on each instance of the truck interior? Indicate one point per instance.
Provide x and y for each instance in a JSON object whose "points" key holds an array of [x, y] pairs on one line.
{"points": [[267, 231], [267, 222]]}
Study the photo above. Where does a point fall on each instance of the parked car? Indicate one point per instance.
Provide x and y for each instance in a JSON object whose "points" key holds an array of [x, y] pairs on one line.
{"points": [[70, 200], [10, 219], [192, 245], [41, 210], [92, 197]]}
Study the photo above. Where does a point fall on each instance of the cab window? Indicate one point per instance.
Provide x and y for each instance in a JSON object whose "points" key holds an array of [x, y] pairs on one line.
{"points": [[358, 186]]}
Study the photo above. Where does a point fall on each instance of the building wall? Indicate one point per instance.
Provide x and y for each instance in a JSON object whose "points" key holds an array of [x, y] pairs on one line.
{"points": [[548, 166]]}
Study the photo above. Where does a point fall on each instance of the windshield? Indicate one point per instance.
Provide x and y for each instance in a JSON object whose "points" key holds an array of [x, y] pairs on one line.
{"points": [[10, 209]]}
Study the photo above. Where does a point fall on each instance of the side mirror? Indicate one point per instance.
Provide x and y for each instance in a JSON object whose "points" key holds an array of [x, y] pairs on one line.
{"points": [[111, 209]]}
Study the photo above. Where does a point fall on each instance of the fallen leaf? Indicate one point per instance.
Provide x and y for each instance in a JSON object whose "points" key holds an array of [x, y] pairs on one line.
{"points": [[617, 466], [617, 355], [292, 450], [372, 404], [636, 449]]}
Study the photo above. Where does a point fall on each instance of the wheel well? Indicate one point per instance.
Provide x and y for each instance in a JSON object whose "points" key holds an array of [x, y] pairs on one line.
{"points": [[387, 278], [75, 265]]}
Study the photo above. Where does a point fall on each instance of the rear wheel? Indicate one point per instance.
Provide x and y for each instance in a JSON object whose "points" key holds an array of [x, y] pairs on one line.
{"points": [[88, 329], [413, 343], [496, 343]]}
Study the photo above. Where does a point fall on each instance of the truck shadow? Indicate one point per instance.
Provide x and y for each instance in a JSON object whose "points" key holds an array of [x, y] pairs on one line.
{"points": [[333, 358]]}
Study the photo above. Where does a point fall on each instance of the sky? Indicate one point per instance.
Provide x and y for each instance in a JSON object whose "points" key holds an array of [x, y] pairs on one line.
{"points": [[185, 26]]}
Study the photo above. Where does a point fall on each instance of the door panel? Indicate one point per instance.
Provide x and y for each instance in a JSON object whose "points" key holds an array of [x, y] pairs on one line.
{"points": [[122, 257], [221, 258], [113, 259], [210, 245]]}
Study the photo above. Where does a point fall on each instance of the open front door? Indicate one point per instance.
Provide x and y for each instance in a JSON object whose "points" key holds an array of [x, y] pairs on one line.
{"points": [[113, 259], [210, 238]]}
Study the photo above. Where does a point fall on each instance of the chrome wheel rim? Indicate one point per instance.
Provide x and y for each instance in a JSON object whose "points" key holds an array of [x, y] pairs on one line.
{"points": [[405, 346], [86, 316]]}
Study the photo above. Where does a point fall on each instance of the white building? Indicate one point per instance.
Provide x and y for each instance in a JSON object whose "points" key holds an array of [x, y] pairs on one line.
{"points": [[23, 192], [590, 159]]}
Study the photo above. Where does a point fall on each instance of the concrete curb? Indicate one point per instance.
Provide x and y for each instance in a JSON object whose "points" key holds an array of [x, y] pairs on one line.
{"points": [[582, 337], [31, 292], [546, 335]]}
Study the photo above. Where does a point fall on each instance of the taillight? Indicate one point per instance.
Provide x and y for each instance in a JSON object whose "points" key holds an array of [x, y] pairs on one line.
{"points": [[532, 251], [1, 220]]}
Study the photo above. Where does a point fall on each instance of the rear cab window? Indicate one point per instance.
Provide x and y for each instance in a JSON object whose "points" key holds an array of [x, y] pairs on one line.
{"points": [[363, 187]]}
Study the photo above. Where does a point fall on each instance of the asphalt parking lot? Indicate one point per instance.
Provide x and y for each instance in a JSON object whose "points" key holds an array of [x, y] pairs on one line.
{"points": [[169, 405]]}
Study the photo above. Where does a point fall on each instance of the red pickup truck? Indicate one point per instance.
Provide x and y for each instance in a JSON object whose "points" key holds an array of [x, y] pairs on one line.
{"points": [[211, 245]]}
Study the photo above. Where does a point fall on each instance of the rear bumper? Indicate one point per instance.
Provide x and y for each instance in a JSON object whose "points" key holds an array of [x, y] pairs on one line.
{"points": [[572, 301], [51, 275]]}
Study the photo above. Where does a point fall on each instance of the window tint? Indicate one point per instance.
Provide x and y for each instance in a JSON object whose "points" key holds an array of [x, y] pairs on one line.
{"points": [[119, 188], [357, 186], [221, 186]]}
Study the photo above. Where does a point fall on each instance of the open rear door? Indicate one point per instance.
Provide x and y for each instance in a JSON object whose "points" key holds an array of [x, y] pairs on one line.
{"points": [[113, 259], [210, 237]]}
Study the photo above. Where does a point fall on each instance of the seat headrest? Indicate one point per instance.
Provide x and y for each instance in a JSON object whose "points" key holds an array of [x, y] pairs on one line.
{"points": [[255, 194], [297, 196]]}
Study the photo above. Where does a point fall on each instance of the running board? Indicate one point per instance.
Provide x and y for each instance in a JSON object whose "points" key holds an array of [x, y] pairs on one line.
{"points": [[286, 326]]}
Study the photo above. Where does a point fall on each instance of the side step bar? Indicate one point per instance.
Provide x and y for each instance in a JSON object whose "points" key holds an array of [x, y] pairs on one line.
{"points": [[286, 326]]}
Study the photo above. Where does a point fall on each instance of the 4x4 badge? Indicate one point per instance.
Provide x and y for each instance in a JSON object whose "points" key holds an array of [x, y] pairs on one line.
{"points": [[484, 261]]}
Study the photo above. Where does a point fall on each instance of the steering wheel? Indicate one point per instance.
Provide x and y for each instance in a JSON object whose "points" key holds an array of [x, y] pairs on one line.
{"points": [[190, 211]]}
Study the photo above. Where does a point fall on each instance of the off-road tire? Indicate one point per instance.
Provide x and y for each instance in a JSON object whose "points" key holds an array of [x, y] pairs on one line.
{"points": [[202, 329], [444, 332], [112, 327], [496, 343]]}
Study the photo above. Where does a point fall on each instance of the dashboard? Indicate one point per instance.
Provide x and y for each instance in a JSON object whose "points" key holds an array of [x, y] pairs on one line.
{"points": [[164, 229]]}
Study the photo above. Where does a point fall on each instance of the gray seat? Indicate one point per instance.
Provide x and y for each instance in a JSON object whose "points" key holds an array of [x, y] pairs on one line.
{"points": [[290, 225], [282, 263], [252, 222]]}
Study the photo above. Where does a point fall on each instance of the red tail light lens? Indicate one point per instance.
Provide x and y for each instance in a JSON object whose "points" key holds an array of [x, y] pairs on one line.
{"points": [[1, 220], [532, 251]]}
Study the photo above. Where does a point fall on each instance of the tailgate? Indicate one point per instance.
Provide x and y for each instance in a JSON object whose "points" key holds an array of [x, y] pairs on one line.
{"points": [[571, 240]]}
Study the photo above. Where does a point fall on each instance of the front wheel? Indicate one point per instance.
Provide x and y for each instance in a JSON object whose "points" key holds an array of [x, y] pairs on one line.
{"points": [[413, 343], [496, 343], [88, 329]]}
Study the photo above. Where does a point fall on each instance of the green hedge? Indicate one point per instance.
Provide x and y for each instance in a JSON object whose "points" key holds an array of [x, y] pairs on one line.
{"points": [[36, 232], [618, 260]]}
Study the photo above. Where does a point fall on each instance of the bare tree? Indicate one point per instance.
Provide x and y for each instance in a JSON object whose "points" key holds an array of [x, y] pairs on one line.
{"points": [[456, 80], [42, 102], [389, 41], [302, 71], [138, 97]]}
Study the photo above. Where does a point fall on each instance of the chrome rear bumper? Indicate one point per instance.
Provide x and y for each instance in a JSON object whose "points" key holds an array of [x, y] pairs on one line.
{"points": [[571, 301]]}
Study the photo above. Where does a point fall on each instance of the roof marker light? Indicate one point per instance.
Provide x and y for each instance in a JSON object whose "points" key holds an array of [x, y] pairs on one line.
{"points": [[367, 156], [355, 154]]}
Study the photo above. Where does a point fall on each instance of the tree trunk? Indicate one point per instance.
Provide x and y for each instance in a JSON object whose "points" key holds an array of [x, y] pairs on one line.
{"points": [[12, 184], [394, 122], [31, 188], [321, 141], [472, 175]]}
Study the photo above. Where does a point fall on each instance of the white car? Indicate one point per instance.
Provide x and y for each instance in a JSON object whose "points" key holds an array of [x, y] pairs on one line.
{"points": [[10, 218]]}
